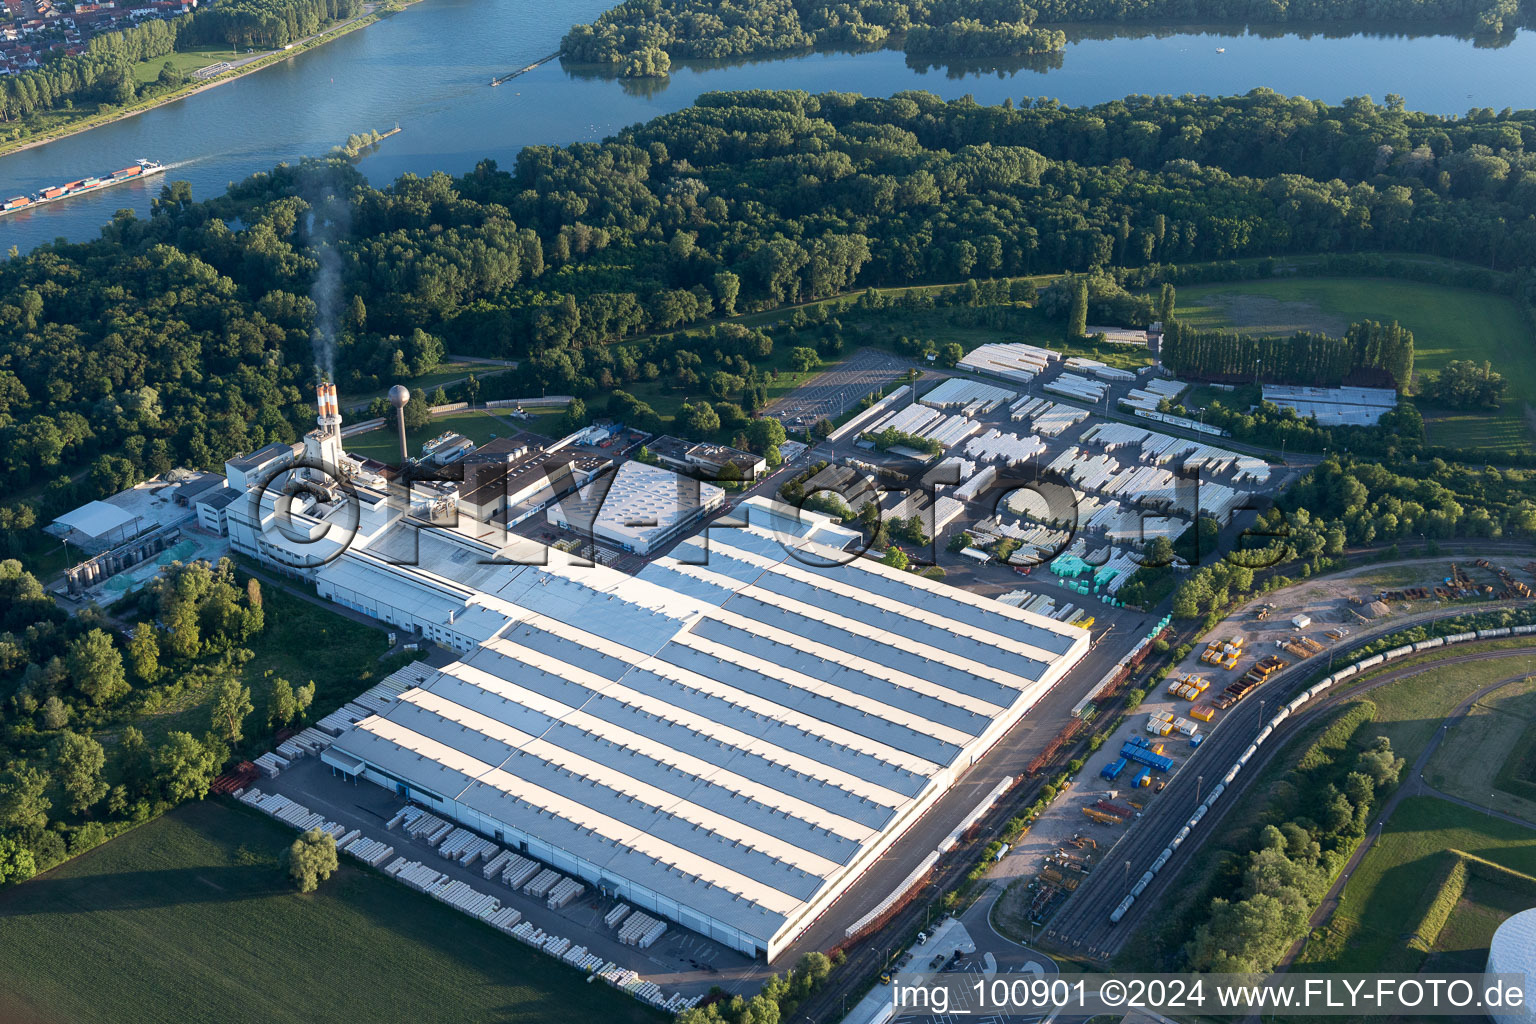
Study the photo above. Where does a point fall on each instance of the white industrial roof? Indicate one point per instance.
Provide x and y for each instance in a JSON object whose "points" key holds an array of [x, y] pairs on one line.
{"points": [[636, 503], [96, 519], [730, 728]]}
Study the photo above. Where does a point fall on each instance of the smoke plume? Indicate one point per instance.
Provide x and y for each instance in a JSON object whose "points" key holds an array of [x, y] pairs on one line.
{"points": [[330, 221]]}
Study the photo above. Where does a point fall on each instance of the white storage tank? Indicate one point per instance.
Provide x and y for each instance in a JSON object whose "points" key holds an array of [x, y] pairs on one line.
{"points": [[1513, 951]]}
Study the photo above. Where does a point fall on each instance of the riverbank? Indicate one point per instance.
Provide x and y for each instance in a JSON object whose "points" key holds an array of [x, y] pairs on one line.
{"points": [[372, 12]]}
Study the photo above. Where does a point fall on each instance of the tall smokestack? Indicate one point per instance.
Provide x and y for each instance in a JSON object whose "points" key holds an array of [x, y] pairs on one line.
{"points": [[399, 395], [330, 412]]}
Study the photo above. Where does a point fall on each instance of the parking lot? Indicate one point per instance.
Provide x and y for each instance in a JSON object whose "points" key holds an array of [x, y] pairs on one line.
{"points": [[828, 395]]}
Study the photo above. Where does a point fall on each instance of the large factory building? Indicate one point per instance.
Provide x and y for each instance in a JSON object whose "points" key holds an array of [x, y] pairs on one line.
{"points": [[729, 739]]}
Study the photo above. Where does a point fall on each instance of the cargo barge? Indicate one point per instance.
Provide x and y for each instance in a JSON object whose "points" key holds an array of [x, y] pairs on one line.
{"points": [[140, 169]]}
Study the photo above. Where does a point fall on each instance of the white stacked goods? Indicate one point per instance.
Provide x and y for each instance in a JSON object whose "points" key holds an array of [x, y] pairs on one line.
{"points": [[1054, 420], [949, 472], [976, 485], [976, 397], [456, 842], [555, 945], [438, 834], [1119, 335], [617, 914], [542, 883], [641, 929], [910, 420], [290, 750], [1114, 436], [518, 871], [465, 897], [1120, 523], [370, 851], [417, 875], [419, 823], [283, 809], [270, 764], [1070, 385], [465, 847], [880, 409], [565, 890], [1165, 387], [950, 430], [343, 718], [1015, 362], [994, 445], [403, 815], [313, 740], [344, 841], [497, 864], [334, 829], [1025, 407], [505, 919]]}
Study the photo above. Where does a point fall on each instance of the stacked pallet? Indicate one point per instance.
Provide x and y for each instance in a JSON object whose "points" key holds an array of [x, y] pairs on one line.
{"points": [[542, 883], [270, 764], [465, 897], [616, 915], [344, 841], [505, 919], [556, 945], [403, 816], [415, 874], [641, 930], [465, 847], [369, 851], [497, 864], [518, 871], [565, 890], [283, 809], [342, 719]]}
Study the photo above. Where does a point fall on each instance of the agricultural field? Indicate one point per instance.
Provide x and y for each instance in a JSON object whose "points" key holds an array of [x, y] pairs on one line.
{"points": [[1410, 710], [479, 425], [189, 918], [1472, 758], [1447, 323], [1367, 931]]}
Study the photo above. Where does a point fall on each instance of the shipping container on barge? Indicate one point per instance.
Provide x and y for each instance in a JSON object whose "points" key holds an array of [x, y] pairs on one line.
{"points": [[141, 169]]}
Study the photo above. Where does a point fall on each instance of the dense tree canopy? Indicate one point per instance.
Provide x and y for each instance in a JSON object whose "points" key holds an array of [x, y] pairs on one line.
{"points": [[179, 339], [648, 30]]}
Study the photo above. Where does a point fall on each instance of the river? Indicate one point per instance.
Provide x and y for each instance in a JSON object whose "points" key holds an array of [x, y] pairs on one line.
{"points": [[429, 67]]}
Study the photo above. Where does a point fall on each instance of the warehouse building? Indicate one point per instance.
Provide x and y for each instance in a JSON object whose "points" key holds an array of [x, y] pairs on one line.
{"points": [[729, 739]]}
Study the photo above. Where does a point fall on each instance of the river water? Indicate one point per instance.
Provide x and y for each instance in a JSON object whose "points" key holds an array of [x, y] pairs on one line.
{"points": [[429, 67]]}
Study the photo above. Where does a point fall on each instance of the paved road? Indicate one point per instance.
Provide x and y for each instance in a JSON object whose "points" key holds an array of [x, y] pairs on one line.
{"points": [[1415, 786], [1082, 925]]}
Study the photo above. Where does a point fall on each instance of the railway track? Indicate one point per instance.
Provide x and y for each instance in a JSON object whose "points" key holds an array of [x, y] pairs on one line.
{"points": [[1083, 927]]}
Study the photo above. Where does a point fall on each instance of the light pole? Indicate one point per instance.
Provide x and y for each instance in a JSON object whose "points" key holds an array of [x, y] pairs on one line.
{"points": [[1198, 780]]}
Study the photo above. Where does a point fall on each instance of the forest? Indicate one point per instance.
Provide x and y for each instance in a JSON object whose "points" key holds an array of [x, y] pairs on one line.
{"points": [[104, 73], [641, 30], [179, 339], [1369, 355]]}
